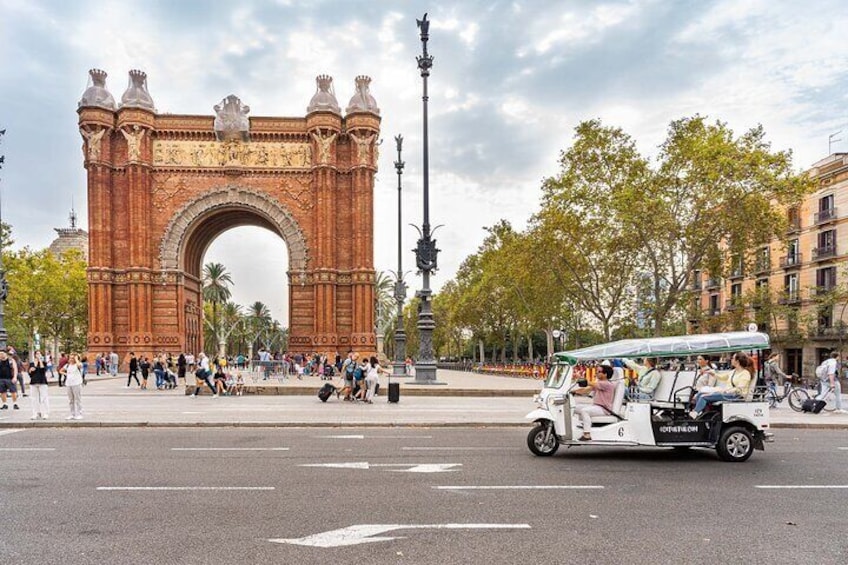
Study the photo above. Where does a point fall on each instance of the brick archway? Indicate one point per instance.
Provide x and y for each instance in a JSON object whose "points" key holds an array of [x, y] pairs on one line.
{"points": [[238, 206], [162, 187]]}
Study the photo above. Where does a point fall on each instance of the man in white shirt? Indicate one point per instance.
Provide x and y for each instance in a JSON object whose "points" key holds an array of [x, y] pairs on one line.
{"points": [[831, 381]]}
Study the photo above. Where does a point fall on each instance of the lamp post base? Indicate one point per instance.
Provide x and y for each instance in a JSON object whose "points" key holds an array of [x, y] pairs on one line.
{"points": [[399, 369], [425, 374]]}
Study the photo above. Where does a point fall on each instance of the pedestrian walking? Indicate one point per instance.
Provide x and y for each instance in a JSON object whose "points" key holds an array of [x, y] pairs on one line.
{"points": [[19, 370], [181, 367], [144, 365], [8, 376], [372, 379], [73, 382], [133, 374], [113, 364], [202, 374], [63, 360], [38, 387], [830, 380]]}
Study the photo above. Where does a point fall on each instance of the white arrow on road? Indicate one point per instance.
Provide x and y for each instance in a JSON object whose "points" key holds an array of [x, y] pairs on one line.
{"points": [[367, 533], [413, 467]]}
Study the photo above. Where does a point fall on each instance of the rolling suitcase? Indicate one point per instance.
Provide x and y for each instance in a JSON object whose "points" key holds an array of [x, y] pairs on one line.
{"points": [[326, 391], [394, 392], [813, 405]]}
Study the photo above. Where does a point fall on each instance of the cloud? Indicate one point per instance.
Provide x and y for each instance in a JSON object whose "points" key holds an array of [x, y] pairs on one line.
{"points": [[510, 81]]}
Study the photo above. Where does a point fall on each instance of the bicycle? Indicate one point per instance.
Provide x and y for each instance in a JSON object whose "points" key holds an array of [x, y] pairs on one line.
{"points": [[795, 394]]}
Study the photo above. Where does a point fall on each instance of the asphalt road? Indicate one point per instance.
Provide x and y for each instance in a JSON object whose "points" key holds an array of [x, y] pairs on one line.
{"points": [[64, 499]]}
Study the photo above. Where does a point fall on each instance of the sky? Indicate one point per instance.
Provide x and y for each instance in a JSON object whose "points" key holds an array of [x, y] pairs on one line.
{"points": [[510, 82]]}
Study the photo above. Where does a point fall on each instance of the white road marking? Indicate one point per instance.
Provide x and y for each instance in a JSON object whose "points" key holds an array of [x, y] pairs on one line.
{"points": [[192, 412], [181, 488], [27, 449], [7, 432], [229, 449], [367, 533], [800, 486], [521, 487], [452, 448], [361, 436], [413, 467], [843, 448]]}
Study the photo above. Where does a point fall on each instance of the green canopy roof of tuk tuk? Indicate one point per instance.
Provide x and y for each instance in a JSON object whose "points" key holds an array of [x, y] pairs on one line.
{"points": [[676, 346]]}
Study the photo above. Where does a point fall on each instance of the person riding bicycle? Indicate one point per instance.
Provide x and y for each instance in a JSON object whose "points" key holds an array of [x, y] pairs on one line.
{"points": [[773, 374]]}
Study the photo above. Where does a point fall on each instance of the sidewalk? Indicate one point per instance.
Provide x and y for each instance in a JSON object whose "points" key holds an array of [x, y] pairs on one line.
{"points": [[466, 399]]}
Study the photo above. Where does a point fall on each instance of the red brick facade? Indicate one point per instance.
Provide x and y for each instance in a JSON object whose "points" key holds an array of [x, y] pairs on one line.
{"points": [[161, 188]]}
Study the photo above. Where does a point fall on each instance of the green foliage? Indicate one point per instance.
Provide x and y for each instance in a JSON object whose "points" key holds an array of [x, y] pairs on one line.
{"points": [[48, 294], [617, 237]]}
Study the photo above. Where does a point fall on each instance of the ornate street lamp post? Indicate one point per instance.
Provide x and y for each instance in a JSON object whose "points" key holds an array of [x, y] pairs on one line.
{"points": [[426, 251], [399, 366], [4, 287]]}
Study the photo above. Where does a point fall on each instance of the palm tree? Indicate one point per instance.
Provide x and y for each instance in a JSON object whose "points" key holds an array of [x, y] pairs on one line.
{"points": [[258, 319], [384, 291], [216, 291]]}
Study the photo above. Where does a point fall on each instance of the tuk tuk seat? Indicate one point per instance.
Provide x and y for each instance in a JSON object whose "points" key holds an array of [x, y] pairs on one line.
{"points": [[617, 403]]}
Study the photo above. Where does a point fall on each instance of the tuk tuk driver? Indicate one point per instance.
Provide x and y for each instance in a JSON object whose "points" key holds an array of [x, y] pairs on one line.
{"points": [[601, 404], [649, 379]]}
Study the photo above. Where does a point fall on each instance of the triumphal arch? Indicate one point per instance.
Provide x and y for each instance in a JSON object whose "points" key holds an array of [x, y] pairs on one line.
{"points": [[162, 187]]}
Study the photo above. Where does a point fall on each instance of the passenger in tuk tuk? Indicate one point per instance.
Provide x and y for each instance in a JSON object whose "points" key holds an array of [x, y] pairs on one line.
{"points": [[649, 379], [706, 375], [602, 402], [741, 379]]}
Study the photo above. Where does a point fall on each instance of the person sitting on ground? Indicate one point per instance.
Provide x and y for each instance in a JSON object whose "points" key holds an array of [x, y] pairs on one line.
{"points": [[738, 384], [220, 382], [601, 403], [649, 379]]}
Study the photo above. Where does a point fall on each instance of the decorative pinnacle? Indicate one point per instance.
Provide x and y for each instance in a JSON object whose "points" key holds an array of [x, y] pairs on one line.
{"points": [[98, 77], [425, 60], [324, 82], [137, 74], [363, 80]]}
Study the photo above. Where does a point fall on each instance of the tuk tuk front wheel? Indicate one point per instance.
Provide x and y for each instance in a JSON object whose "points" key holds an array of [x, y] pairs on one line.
{"points": [[542, 439], [735, 445]]}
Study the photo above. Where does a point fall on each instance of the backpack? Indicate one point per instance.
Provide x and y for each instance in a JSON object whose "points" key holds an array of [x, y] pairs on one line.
{"points": [[358, 375], [821, 371]]}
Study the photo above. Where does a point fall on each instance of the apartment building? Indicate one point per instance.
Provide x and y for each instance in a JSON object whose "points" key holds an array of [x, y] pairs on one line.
{"points": [[797, 276]]}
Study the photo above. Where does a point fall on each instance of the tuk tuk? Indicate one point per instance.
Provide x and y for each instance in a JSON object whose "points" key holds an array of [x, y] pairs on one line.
{"points": [[734, 428]]}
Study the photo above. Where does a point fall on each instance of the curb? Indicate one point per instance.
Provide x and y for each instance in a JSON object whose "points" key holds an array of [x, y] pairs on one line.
{"points": [[84, 424], [428, 391]]}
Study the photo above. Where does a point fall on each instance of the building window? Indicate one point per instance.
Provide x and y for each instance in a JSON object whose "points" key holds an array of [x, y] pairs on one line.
{"points": [[736, 291], [826, 211], [793, 216], [827, 239], [790, 287], [826, 279], [762, 284], [696, 280], [714, 307]]}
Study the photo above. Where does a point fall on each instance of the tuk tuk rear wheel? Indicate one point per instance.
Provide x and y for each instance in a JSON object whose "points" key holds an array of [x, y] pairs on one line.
{"points": [[735, 445], [537, 442]]}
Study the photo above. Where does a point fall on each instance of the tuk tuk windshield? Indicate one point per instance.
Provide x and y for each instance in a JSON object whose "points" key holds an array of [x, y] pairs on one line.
{"points": [[557, 375]]}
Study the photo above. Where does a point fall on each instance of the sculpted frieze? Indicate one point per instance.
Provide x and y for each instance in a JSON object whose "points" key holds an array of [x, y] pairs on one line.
{"points": [[263, 155]]}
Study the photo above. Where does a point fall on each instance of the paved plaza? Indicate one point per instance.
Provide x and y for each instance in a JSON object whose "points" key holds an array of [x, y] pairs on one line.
{"points": [[467, 399]]}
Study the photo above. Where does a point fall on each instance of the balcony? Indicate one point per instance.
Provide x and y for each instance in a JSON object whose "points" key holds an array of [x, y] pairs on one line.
{"points": [[824, 216], [825, 331], [734, 303], [823, 290], [712, 283], [794, 225], [822, 253], [696, 285], [736, 273], [713, 312], [762, 266], [790, 297], [791, 261]]}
